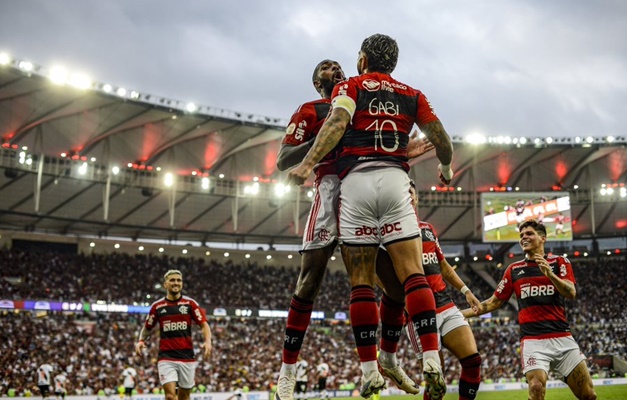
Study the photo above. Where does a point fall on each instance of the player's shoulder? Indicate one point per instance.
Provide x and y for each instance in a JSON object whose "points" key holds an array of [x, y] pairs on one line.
{"points": [[158, 302], [517, 264], [187, 299]]}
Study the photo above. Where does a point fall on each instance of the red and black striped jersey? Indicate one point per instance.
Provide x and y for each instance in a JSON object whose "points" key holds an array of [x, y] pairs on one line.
{"points": [[541, 312], [431, 256], [305, 125], [384, 115], [175, 319]]}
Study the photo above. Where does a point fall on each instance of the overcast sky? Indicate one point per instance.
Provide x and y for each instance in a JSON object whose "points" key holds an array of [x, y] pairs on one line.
{"points": [[518, 67]]}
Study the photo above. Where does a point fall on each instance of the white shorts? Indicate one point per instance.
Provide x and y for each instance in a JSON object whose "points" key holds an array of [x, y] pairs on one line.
{"points": [[321, 227], [447, 321], [177, 371], [375, 207], [561, 355]]}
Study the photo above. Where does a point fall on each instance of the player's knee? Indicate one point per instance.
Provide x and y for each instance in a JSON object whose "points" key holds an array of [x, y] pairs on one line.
{"points": [[170, 396], [588, 394], [536, 388]]}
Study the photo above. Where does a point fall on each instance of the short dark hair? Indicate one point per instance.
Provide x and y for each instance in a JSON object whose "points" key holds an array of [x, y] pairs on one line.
{"points": [[382, 53], [535, 225], [314, 77]]}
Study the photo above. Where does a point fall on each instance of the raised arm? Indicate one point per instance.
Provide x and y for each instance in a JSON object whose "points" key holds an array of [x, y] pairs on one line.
{"points": [[437, 135]]}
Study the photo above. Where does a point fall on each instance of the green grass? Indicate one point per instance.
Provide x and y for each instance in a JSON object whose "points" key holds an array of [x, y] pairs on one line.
{"points": [[614, 392]]}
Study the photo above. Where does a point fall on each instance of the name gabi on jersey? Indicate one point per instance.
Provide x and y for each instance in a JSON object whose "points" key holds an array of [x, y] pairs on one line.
{"points": [[385, 229], [526, 290], [174, 326]]}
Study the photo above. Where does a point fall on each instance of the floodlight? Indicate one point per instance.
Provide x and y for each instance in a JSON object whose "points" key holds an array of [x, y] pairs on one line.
{"points": [[169, 179], [522, 140], [549, 140], [191, 107], [121, 92], [58, 75], [161, 249], [290, 256], [226, 254], [115, 170], [268, 257], [207, 253], [80, 81], [93, 159], [25, 66], [107, 88], [280, 189], [140, 248], [134, 95], [205, 183], [610, 139], [332, 258], [184, 251], [589, 139], [221, 176], [476, 138], [309, 194], [4, 59], [82, 169], [92, 244], [247, 256], [117, 245]]}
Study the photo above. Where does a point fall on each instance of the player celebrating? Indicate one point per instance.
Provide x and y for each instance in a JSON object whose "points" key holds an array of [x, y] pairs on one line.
{"points": [[540, 283], [174, 314], [44, 379], [320, 237], [379, 113]]}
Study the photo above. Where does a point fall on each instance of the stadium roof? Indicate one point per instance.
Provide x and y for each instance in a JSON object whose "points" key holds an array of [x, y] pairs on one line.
{"points": [[98, 160]]}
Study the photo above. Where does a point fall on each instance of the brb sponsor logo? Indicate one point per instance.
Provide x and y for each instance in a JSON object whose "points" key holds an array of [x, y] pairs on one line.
{"points": [[174, 326], [429, 258], [527, 290]]}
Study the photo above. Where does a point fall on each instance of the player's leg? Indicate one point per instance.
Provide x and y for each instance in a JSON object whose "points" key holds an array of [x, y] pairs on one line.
{"points": [[170, 390], [186, 379], [461, 342], [401, 238], [319, 242], [536, 379], [580, 382], [392, 313]]}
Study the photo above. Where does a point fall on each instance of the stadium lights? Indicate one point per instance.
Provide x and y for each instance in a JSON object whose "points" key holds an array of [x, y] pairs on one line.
{"points": [[82, 169], [134, 95], [107, 88], [63, 155], [92, 244], [191, 107], [59, 75], [4, 59], [117, 245], [289, 256], [115, 170], [332, 258], [247, 256], [205, 183], [168, 180], [280, 189], [121, 92], [226, 255], [207, 253], [161, 249], [268, 257], [25, 66], [549, 140], [221, 176], [310, 194], [184, 251], [610, 139], [252, 189], [80, 81], [456, 259], [476, 138], [140, 248]]}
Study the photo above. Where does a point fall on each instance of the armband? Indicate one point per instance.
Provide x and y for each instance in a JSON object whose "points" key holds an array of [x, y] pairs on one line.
{"points": [[464, 290]]}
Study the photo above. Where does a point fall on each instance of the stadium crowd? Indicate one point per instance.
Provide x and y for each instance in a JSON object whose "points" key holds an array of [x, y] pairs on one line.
{"points": [[94, 348]]}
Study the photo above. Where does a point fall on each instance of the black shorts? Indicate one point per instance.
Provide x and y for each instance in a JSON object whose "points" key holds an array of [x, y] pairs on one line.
{"points": [[60, 394], [301, 387], [322, 383], [44, 389], [128, 391]]}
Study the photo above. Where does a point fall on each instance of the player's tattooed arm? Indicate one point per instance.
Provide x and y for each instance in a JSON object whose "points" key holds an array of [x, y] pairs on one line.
{"points": [[437, 135], [564, 287], [290, 155], [144, 334], [328, 137], [486, 306]]}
